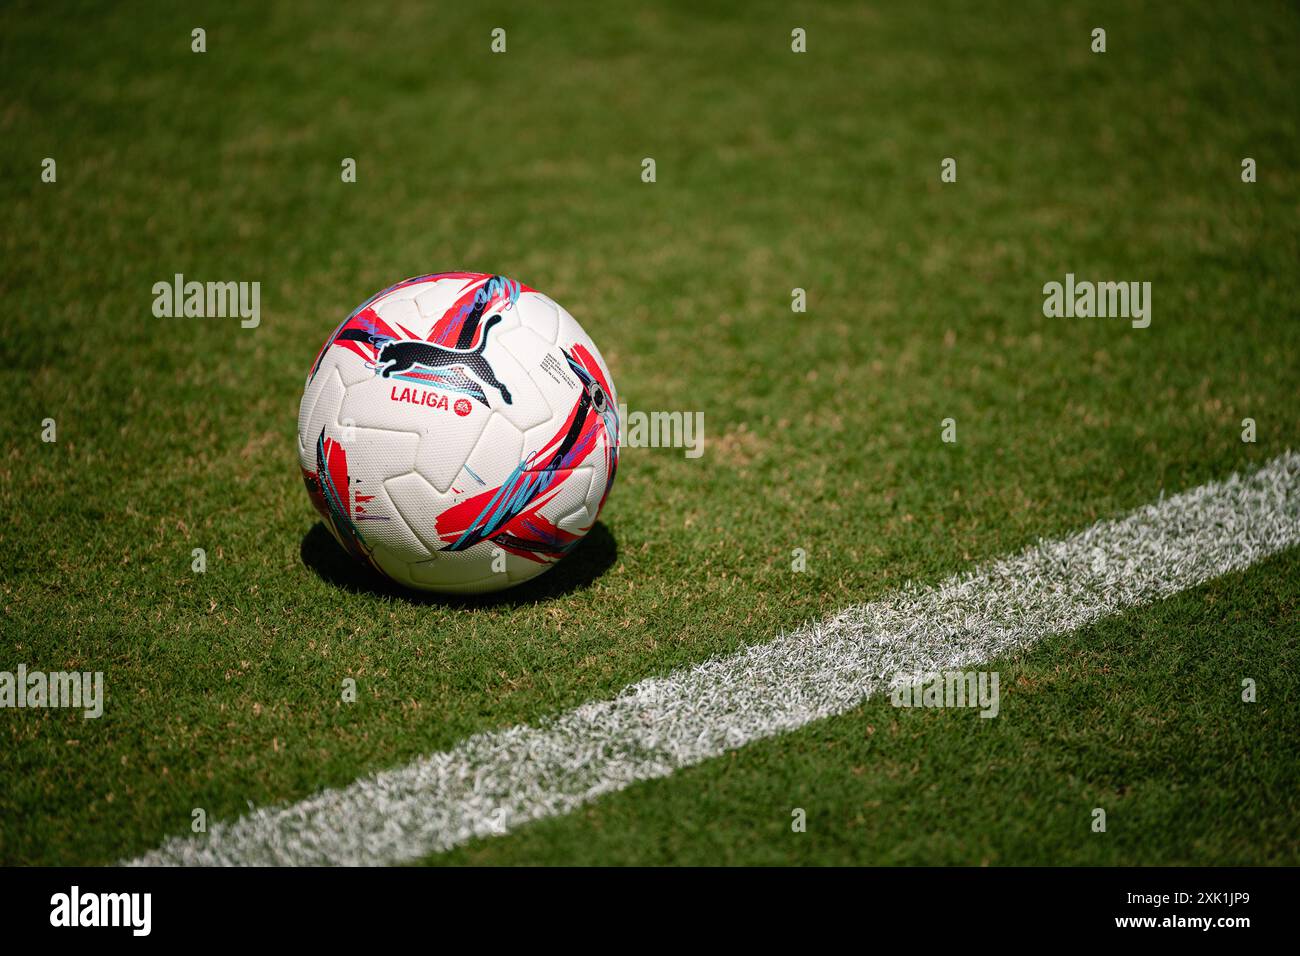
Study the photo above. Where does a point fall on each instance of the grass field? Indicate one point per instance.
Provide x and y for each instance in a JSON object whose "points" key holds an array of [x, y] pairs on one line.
{"points": [[775, 170]]}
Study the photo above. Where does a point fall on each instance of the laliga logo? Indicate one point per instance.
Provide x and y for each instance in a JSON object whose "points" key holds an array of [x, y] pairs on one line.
{"points": [[414, 396]]}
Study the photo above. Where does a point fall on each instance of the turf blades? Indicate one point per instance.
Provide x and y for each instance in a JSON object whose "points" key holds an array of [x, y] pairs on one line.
{"points": [[495, 781]]}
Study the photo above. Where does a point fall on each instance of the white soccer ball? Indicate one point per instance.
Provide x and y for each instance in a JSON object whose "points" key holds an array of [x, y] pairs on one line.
{"points": [[459, 432]]}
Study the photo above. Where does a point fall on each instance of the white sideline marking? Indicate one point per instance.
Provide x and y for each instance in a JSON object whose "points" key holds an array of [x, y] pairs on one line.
{"points": [[495, 781]]}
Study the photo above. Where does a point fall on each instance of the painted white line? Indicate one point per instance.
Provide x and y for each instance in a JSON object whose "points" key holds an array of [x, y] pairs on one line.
{"points": [[495, 781]]}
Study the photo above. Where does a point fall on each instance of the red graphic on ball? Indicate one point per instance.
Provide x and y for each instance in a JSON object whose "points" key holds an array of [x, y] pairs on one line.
{"points": [[462, 407]]}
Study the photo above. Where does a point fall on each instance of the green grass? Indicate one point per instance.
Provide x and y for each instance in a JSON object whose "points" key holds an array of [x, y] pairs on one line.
{"points": [[775, 170], [1144, 719]]}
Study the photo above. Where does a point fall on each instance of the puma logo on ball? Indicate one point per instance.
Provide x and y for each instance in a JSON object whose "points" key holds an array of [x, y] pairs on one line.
{"points": [[403, 355]]}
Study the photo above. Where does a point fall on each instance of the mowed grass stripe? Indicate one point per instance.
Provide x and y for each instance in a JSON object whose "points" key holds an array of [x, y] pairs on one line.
{"points": [[495, 781]]}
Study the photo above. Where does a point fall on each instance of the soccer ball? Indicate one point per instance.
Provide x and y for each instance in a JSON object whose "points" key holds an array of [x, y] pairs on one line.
{"points": [[459, 432]]}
